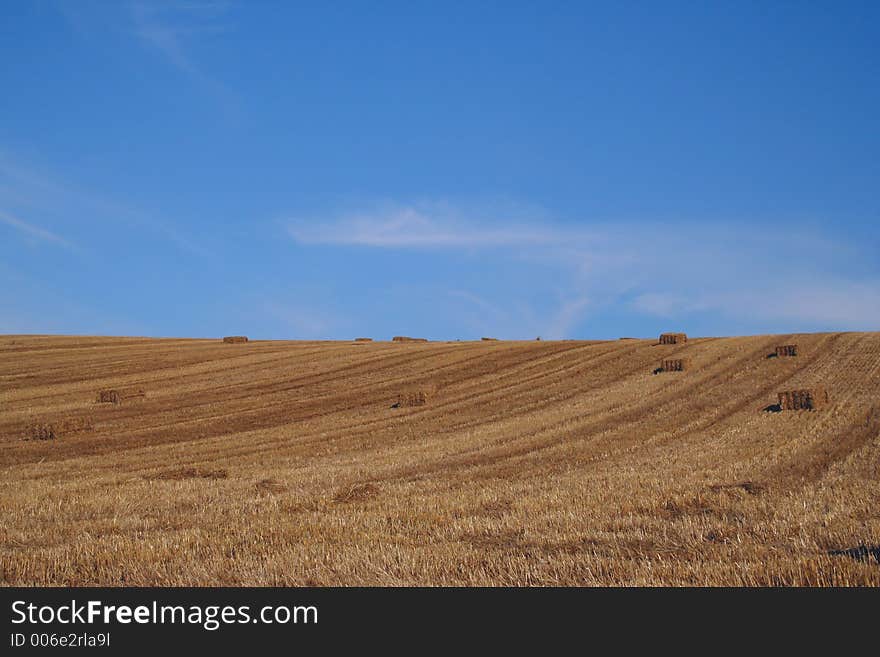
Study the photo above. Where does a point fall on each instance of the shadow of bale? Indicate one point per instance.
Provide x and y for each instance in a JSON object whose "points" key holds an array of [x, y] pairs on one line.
{"points": [[859, 553]]}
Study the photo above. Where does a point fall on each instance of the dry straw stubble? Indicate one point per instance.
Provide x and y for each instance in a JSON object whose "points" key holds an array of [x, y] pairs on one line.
{"points": [[612, 478]]}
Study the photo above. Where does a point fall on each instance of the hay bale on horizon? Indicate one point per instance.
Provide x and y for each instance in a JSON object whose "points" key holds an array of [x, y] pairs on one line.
{"points": [[235, 339], [673, 338], [786, 350], [489, 339], [404, 338], [808, 399], [363, 339]]}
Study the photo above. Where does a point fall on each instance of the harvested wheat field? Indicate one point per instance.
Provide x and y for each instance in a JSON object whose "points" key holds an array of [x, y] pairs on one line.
{"points": [[534, 463]]}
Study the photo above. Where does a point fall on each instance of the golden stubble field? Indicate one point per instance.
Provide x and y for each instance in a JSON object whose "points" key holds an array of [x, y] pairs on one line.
{"points": [[532, 463]]}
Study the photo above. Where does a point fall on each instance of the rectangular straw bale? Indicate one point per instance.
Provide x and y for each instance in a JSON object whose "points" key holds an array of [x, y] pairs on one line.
{"points": [[808, 399]]}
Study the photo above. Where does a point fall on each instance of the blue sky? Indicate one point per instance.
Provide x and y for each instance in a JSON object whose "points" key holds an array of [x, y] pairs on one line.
{"points": [[447, 170]]}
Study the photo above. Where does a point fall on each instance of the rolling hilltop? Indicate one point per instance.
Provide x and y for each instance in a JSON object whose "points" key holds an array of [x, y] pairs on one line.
{"points": [[193, 462]]}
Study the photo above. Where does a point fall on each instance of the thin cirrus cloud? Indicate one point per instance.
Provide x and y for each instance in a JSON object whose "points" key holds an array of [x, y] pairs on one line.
{"points": [[170, 27], [838, 303], [35, 232], [410, 227], [26, 190], [718, 271]]}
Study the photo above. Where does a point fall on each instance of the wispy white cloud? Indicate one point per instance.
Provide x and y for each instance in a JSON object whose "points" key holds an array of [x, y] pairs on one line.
{"points": [[170, 27], [35, 232], [174, 30], [24, 188], [836, 302], [665, 270], [412, 227]]}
